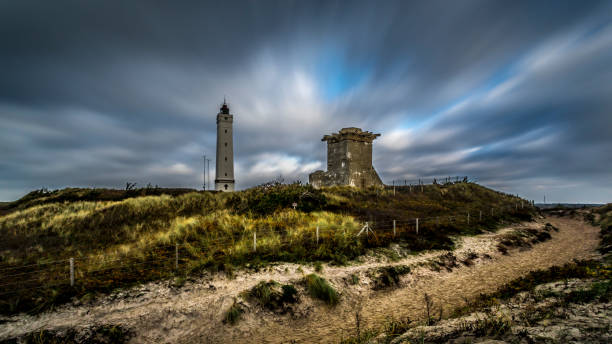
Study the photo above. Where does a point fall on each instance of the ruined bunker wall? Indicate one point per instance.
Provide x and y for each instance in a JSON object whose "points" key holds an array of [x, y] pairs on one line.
{"points": [[349, 160]]}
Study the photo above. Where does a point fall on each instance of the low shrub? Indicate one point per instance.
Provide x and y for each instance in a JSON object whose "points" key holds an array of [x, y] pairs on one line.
{"points": [[469, 259], [548, 227], [268, 198], [389, 276], [600, 291], [274, 296], [447, 261]]}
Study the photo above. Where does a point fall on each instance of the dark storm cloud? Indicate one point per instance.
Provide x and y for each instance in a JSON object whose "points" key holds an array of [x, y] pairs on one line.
{"points": [[512, 93]]}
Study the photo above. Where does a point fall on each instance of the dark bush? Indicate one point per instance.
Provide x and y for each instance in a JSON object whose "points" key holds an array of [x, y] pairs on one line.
{"points": [[97, 335], [389, 276], [274, 296], [267, 198]]}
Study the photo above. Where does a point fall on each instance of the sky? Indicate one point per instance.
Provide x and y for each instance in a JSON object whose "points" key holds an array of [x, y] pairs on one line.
{"points": [[517, 95]]}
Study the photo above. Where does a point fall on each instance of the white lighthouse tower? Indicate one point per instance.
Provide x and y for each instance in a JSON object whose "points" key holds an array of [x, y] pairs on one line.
{"points": [[224, 179]]}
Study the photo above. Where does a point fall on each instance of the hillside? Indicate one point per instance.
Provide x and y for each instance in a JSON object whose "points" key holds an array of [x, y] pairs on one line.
{"points": [[303, 302], [120, 238]]}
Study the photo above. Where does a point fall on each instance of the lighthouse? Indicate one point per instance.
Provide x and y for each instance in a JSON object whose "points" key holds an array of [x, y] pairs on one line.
{"points": [[224, 178]]}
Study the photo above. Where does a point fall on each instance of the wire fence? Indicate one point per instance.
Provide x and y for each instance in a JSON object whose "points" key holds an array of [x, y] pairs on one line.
{"points": [[429, 181], [167, 260]]}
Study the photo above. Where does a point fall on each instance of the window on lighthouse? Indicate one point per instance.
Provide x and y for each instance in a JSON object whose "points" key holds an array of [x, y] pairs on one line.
{"points": [[226, 144], [225, 186]]}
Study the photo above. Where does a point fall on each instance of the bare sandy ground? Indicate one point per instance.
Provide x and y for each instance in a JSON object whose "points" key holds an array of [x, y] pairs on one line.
{"points": [[158, 313]]}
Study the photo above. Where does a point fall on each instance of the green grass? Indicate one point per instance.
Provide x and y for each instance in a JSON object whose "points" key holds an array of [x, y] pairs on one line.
{"points": [[121, 238], [319, 288]]}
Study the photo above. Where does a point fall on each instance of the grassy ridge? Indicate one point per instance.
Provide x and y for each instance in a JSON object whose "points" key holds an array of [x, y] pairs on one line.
{"points": [[215, 230]]}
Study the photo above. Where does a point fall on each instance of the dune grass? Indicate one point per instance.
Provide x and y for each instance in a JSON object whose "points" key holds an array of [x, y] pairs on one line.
{"points": [[319, 288], [125, 237]]}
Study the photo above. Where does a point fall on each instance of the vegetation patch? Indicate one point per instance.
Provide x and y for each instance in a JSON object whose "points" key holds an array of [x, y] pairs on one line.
{"points": [[389, 276], [274, 296], [447, 261], [96, 335], [523, 238], [599, 292], [469, 259], [579, 269], [269, 198], [549, 227], [319, 288], [605, 222], [233, 314]]}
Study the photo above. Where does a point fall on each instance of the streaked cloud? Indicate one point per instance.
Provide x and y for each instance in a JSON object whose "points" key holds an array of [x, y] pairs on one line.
{"points": [[515, 94]]}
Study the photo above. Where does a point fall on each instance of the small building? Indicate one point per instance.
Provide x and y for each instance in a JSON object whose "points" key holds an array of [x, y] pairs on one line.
{"points": [[349, 160]]}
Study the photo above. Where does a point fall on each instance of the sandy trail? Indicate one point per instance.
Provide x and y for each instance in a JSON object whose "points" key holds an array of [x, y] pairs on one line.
{"points": [[193, 314]]}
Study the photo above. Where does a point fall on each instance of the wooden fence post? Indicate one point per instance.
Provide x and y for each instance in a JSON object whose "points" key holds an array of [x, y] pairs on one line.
{"points": [[254, 241], [317, 234], [394, 228], [176, 256], [468, 219], [72, 272], [480, 218], [417, 226]]}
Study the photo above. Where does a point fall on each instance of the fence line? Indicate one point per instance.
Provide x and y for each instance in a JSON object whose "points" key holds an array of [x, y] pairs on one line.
{"points": [[319, 235], [429, 181]]}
